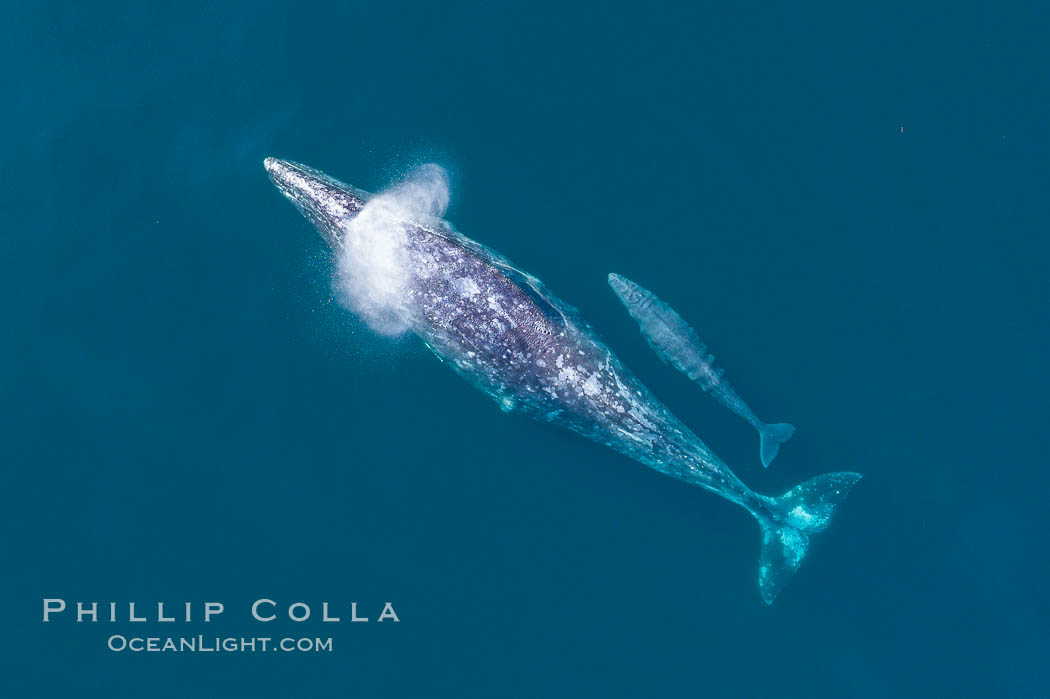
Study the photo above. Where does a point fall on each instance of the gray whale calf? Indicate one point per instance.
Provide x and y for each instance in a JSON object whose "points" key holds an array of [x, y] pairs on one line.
{"points": [[677, 344], [501, 330]]}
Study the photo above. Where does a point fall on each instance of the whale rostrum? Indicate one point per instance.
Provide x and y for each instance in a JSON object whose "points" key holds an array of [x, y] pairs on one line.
{"points": [[504, 332]]}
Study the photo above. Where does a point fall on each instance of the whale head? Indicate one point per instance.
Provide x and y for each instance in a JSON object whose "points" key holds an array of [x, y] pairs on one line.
{"points": [[328, 203]]}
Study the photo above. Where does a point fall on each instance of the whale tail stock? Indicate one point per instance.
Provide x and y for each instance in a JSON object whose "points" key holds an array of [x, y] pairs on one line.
{"points": [[772, 436], [791, 519]]}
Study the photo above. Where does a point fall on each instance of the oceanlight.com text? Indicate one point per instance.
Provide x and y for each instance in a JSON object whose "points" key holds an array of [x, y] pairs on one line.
{"points": [[216, 644]]}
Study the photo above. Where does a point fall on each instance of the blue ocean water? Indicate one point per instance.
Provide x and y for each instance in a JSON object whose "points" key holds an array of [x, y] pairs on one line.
{"points": [[847, 200]]}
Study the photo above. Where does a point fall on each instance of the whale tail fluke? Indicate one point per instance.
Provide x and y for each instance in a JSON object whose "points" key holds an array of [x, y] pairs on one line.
{"points": [[793, 517], [772, 436]]}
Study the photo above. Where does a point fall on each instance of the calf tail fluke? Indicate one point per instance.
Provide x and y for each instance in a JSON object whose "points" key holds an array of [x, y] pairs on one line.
{"points": [[787, 526], [772, 436]]}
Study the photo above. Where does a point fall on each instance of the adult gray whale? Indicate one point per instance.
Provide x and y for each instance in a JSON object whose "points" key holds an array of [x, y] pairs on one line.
{"points": [[501, 330]]}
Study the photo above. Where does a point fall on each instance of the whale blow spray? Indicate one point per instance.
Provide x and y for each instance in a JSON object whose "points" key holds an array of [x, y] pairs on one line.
{"points": [[371, 278]]}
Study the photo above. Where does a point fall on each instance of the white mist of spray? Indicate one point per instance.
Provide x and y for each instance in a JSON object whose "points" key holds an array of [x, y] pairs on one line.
{"points": [[372, 275]]}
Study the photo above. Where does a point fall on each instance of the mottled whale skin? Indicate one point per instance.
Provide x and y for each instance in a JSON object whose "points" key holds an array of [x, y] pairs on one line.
{"points": [[504, 332]]}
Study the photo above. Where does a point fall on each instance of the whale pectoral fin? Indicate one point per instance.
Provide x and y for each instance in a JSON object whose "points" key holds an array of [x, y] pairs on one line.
{"points": [[526, 284], [437, 353]]}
